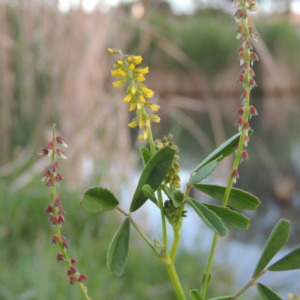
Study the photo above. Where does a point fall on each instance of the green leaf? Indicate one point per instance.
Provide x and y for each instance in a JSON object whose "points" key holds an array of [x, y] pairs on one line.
{"points": [[222, 298], [145, 154], [203, 172], [266, 293], [195, 294], [229, 217], [118, 249], [153, 174], [149, 193], [275, 242], [208, 217], [177, 198], [222, 151], [289, 262], [98, 200], [238, 199]]}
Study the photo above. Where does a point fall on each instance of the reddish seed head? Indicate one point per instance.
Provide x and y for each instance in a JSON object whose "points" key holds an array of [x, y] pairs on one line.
{"points": [[69, 272], [53, 220], [82, 277], [55, 239], [60, 220], [248, 45], [49, 209], [60, 257], [253, 111], [55, 166], [241, 78], [73, 261], [244, 95], [61, 212], [239, 122], [50, 182], [57, 203], [72, 279], [252, 83], [246, 126], [47, 174], [244, 155], [61, 140], [240, 112], [44, 152], [73, 269], [246, 140], [50, 145], [59, 177], [235, 175], [236, 145], [61, 153], [251, 72]]}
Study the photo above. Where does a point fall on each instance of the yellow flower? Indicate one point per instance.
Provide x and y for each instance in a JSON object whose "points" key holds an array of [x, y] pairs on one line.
{"points": [[147, 92], [127, 98], [143, 136], [137, 60], [142, 70], [113, 51], [133, 90], [118, 72], [120, 62], [141, 122], [154, 118], [139, 106], [140, 78], [118, 83], [152, 106], [142, 99], [132, 106], [131, 67], [133, 124]]}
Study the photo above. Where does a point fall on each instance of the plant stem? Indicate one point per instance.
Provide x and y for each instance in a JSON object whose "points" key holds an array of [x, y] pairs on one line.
{"points": [[151, 143], [175, 281], [163, 222], [177, 234]]}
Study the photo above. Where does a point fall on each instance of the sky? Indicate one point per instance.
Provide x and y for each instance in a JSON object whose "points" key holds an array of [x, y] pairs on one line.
{"points": [[178, 6]]}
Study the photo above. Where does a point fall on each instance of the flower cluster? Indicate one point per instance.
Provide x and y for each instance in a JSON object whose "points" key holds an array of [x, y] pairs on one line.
{"points": [[172, 178], [137, 92], [246, 56], [56, 214]]}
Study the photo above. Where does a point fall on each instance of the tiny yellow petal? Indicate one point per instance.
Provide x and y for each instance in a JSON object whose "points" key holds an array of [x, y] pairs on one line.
{"points": [[143, 136], [142, 99], [133, 124], [127, 98], [113, 51], [131, 67], [130, 58], [133, 90], [153, 107], [120, 62], [147, 92], [118, 83], [139, 106], [143, 70], [148, 123], [137, 60], [132, 106], [140, 78], [141, 123]]}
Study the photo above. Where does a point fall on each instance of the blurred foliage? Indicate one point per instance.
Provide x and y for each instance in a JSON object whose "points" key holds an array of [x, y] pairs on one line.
{"points": [[28, 259]]}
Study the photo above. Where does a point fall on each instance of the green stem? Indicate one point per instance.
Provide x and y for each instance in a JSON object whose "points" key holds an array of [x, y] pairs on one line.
{"points": [[175, 281], [209, 264], [151, 142], [163, 222], [177, 234]]}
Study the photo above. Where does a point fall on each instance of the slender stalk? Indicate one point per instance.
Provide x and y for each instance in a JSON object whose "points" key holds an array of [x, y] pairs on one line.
{"points": [[151, 143], [175, 281], [177, 235], [163, 222]]}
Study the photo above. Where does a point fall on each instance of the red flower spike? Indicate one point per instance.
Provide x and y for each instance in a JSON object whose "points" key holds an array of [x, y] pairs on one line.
{"points": [[244, 155], [59, 177], [82, 277], [60, 257], [57, 203], [55, 239], [61, 140], [252, 83], [235, 175], [50, 182], [72, 279], [73, 261], [49, 209], [240, 112], [253, 111]]}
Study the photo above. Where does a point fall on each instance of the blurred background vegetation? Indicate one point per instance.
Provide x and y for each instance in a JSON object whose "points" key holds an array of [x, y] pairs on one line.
{"points": [[55, 68]]}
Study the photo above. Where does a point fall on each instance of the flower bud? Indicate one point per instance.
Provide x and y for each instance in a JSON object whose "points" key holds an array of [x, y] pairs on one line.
{"points": [[60, 257], [235, 175]]}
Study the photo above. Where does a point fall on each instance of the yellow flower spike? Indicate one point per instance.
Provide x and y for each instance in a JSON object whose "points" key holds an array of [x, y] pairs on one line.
{"points": [[133, 90], [133, 124], [142, 99], [132, 106], [118, 83], [113, 51], [131, 67], [140, 78], [127, 98], [137, 60]]}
